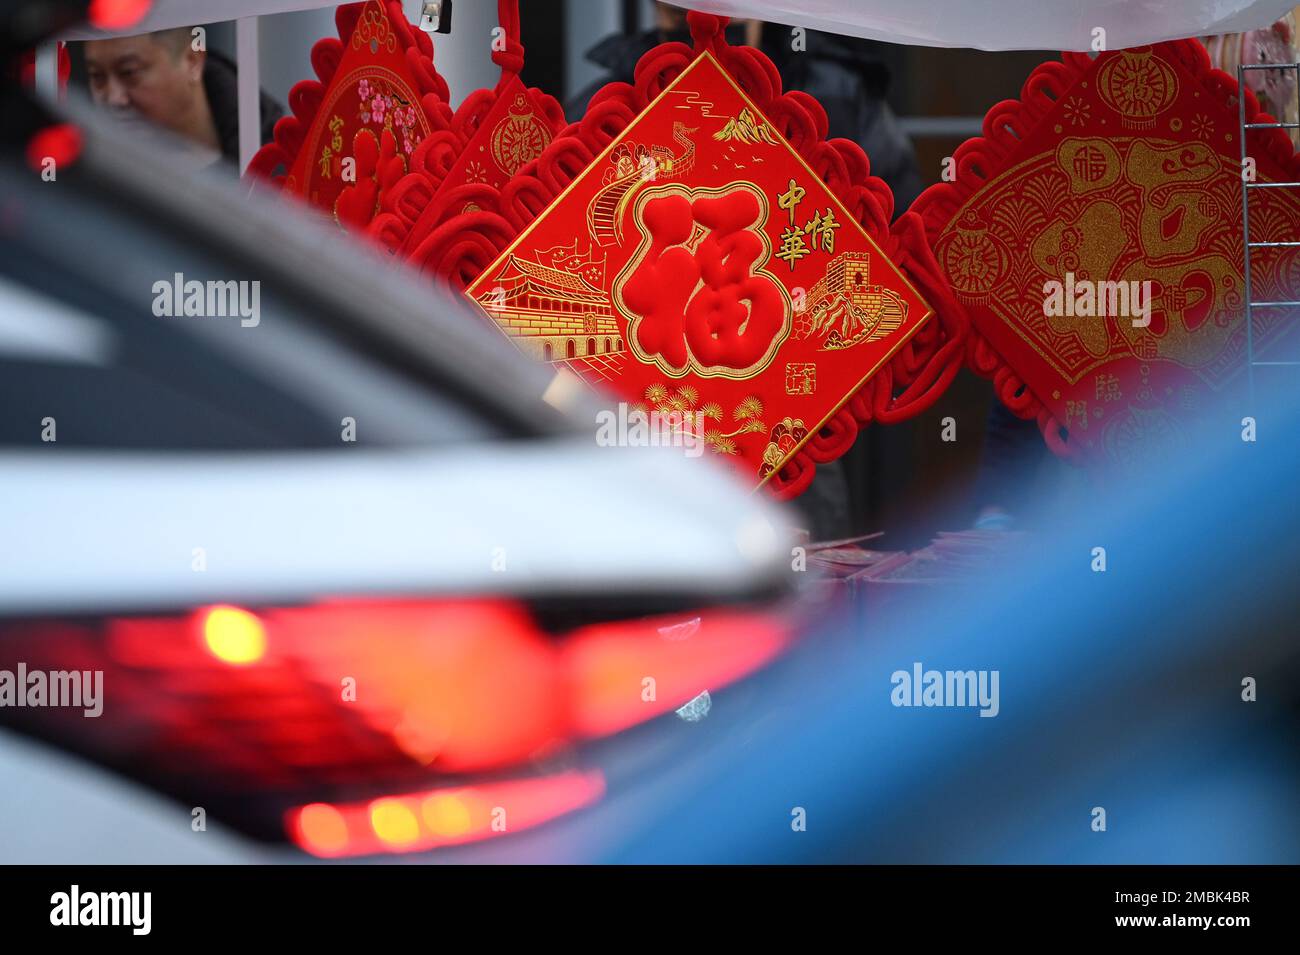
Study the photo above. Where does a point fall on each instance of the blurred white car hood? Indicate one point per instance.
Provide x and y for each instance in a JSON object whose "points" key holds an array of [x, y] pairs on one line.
{"points": [[101, 531]]}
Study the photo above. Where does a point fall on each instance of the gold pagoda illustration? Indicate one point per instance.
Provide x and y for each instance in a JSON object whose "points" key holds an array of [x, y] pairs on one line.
{"points": [[554, 308], [844, 309]]}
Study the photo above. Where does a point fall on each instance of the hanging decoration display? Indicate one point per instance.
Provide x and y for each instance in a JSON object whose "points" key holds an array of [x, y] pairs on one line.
{"points": [[374, 142], [1093, 236], [697, 248], [491, 137], [354, 130]]}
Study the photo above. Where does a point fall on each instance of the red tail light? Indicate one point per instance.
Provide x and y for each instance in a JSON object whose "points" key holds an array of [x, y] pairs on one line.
{"points": [[299, 706], [60, 144], [621, 674], [440, 817]]}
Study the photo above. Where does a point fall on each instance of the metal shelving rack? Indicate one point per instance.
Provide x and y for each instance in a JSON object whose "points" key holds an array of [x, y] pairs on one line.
{"points": [[1247, 244]]}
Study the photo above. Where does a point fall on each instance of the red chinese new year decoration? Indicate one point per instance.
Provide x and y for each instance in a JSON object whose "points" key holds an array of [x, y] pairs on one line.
{"points": [[374, 140], [492, 135], [1094, 237], [377, 98], [696, 245]]}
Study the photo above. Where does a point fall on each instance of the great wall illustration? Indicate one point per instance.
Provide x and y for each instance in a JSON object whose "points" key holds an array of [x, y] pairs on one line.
{"points": [[633, 170], [844, 309]]}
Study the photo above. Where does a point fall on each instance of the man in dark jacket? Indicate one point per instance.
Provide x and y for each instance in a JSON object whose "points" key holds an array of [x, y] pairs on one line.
{"points": [[171, 81]]}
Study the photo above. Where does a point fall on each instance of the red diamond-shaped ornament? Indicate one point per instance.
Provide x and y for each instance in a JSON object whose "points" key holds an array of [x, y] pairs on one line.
{"points": [[698, 267]]}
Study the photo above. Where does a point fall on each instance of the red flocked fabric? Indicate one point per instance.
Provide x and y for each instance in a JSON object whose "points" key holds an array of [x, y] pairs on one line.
{"points": [[492, 135], [778, 450], [377, 98], [1126, 169]]}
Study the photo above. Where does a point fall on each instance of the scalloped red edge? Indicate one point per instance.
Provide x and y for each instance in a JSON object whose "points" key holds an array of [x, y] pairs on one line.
{"points": [[1002, 125], [403, 203]]}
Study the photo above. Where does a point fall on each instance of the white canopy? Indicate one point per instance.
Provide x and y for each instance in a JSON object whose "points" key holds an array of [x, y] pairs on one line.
{"points": [[165, 14], [979, 24], [1013, 24]]}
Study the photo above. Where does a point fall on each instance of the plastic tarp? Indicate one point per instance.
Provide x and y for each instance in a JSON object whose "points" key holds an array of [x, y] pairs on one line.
{"points": [[979, 24]]}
